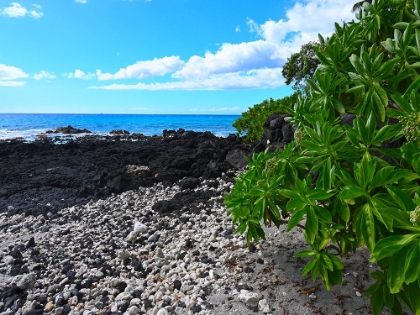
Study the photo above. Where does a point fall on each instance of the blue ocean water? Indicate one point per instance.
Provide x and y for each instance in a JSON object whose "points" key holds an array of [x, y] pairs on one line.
{"points": [[30, 125]]}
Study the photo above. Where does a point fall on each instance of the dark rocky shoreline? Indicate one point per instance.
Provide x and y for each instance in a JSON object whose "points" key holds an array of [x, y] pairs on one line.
{"points": [[45, 176]]}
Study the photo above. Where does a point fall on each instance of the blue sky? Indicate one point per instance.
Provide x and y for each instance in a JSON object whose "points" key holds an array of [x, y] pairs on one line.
{"points": [[153, 56]]}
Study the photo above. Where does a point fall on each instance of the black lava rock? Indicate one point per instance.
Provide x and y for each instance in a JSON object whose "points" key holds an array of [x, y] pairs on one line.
{"points": [[177, 285], [31, 243]]}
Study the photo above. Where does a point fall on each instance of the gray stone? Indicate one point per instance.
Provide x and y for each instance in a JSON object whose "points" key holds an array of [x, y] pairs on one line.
{"points": [[28, 307], [126, 296], [263, 306], [133, 310], [249, 298], [24, 282], [162, 311], [140, 227]]}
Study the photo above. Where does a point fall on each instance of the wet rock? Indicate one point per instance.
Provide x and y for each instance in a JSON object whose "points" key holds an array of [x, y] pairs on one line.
{"points": [[69, 130]]}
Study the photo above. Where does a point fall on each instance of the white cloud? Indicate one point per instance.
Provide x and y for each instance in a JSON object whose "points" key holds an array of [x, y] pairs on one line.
{"points": [[249, 65], [104, 76], [35, 14], [238, 29], [9, 75], [231, 58], [16, 10], [44, 75], [304, 21], [255, 79], [81, 1], [79, 74], [145, 69]]}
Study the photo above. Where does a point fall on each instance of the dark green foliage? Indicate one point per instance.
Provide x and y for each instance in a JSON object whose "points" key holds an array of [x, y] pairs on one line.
{"points": [[349, 184], [301, 66], [252, 121]]}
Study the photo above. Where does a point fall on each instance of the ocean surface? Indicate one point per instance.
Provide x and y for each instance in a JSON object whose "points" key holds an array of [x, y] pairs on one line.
{"points": [[29, 126]]}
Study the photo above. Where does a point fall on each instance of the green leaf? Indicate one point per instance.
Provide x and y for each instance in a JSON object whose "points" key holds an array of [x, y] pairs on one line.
{"points": [[289, 194], [373, 288], [401, 102], [342, 209], [396, 273], [336, 262], [296, 204], [311, 226], [377, 302], [356, 89], [326, 261], [296, 218], [311, 146], [413, 293], [241, 228], [316, 270], [309, 267], [412, 266], [400, 25], [381, 176], [319, 194], [324, 178], [389, 298], [388, 246], [386, 133], [346, 179], [368, 227], [305, 253], [352, 193], [364, 172], [402, 199], [323, 214], [335, 277]]}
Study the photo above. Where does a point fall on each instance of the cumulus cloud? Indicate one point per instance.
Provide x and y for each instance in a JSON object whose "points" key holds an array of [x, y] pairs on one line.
{"points": [[231, 58], [248, 65], [44, 75], [145, 69], [79, 74], [9, 75], [16, 10], [254, 79]]}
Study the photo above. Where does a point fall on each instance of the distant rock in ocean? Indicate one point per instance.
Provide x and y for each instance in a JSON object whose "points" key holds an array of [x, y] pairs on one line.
{"points": [[68, 130]]}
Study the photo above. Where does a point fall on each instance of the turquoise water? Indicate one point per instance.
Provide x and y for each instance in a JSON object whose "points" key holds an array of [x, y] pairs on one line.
{"points": [[30, 125]]}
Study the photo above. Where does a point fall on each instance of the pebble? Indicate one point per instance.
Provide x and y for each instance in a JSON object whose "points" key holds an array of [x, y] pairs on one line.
{"points": [[249, 298], [95, 260], [263, 306]]}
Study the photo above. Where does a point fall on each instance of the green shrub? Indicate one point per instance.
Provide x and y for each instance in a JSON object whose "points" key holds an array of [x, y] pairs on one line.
{"points": [[252, 121], [355, 185]]}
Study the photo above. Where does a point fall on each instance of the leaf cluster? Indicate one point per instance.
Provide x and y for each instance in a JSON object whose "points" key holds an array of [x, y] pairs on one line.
{"points": [[251, 123], [349, 186]]}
